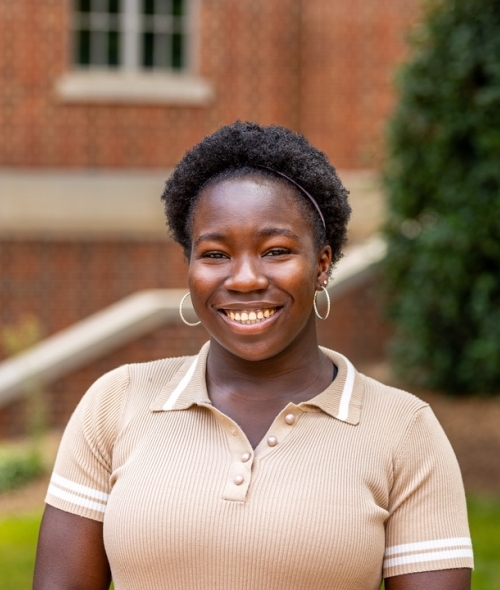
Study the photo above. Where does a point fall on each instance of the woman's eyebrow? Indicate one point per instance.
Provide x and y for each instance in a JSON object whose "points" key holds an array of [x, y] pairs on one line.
{"points": [[265, 233], [277, 231], [215, 236]]}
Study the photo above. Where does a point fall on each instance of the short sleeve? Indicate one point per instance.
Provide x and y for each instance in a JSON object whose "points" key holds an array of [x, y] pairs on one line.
{"points": [[427, 528], [80, 482]]}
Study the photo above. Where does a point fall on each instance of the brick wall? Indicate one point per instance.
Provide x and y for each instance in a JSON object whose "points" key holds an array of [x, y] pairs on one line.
{"points": [[349, 52], [323, 68], [61, 282], [246, 52]]}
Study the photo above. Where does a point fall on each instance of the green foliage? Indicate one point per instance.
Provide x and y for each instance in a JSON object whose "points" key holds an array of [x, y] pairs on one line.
{"points": [[19, 468], [443, 182], [20, 336], [14, 339]]}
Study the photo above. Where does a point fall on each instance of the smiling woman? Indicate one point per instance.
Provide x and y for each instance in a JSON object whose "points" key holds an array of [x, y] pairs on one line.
{"points": [[265, 461], [255, 254]]}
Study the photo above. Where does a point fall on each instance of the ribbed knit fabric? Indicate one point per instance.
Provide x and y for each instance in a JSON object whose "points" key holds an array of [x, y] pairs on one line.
{"points": [[357, 483]]}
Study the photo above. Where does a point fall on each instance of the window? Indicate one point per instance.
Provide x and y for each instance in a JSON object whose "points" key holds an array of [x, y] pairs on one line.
{"points": [[131, 34], [134, 51]]}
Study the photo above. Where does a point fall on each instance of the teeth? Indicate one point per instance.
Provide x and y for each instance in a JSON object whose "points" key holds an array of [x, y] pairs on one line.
{"points": [[251, 317]]}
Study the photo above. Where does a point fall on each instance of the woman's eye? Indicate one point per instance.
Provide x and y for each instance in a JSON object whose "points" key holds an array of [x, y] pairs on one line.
{"points": [[214, 255], [277, 252]]}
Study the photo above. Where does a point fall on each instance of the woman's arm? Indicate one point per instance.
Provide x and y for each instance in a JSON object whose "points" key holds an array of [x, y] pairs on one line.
{"points": [[70, 554], [456, 579]]}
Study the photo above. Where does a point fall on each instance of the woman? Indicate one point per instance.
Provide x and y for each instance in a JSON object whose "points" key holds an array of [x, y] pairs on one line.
{"points": [[265, 462]]}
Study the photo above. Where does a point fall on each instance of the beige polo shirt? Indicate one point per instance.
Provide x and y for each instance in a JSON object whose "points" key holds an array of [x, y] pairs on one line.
{"points": [[357, 483]]}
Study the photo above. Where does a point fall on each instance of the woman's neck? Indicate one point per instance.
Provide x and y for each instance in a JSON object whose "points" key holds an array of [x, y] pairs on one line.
{"points": [[253, 393], [296, 374]]}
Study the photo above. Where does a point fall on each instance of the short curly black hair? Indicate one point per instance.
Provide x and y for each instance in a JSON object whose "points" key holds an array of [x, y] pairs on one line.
{"points": [[248, 148]]}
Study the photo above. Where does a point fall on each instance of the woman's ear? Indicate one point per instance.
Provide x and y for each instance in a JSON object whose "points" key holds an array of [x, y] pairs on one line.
{"points": [[324, 265]]}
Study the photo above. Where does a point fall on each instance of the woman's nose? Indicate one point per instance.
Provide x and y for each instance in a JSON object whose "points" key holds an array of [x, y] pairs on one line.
{"points": [[246, 275]]}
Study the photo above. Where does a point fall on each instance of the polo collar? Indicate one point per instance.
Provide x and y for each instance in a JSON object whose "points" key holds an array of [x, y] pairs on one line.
{"points": [[187, 387], [342, 399]]}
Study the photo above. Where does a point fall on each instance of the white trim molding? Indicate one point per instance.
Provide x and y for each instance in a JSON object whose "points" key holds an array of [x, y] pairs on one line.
{"points": [[137, 87]]}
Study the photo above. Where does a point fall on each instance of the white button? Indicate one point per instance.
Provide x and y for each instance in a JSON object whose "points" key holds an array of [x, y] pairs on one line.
{"points": [[289, 418], [272, 441], [245, 457], [238, 480]]}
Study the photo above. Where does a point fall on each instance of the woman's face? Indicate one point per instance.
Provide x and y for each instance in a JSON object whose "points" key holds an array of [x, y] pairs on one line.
{"points": [[254, 266]]}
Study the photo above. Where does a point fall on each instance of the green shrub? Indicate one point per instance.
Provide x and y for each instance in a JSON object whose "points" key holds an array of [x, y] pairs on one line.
{"points": [[443, 184], [19, 468]]}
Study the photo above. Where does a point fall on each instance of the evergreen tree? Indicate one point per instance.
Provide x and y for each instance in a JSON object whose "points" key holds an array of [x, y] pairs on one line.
{"points": [[443, 182]]}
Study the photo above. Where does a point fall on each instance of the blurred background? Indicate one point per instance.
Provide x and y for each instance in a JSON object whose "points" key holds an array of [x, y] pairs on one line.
{"points": [[98, 101]]}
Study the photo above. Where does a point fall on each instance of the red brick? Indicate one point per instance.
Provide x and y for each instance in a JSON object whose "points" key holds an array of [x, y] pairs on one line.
{"points": [[322, 68]]}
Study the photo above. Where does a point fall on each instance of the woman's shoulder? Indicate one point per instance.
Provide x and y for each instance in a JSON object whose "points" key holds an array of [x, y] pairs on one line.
{"points": [[147, 377], [163, 369], [387, 398], [396, 412], [374, 399]]}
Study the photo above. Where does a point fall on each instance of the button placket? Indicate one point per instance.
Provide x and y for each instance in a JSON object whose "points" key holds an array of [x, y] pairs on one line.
{"points": [[244, 458], [240, 470], [239, 475]]}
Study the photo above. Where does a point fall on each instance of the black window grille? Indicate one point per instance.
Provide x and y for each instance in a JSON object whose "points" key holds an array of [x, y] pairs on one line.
{"points": [[133, 34]]}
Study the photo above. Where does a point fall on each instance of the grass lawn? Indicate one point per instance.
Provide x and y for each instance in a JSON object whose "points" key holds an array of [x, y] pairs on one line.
{"points": [[18, 537], [484, 518]]}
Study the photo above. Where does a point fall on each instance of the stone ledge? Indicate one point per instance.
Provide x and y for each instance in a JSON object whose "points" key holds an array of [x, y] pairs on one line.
{"points": [[104, 86], [82, 204], [125, 204]]}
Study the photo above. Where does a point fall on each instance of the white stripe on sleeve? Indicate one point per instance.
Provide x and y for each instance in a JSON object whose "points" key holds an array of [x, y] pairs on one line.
{"points": [[76, 487], [431, 556], [77, 500], [426, 545]]}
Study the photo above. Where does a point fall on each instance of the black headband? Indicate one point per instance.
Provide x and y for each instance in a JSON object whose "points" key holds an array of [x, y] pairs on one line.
{"points": [[301, 188]]}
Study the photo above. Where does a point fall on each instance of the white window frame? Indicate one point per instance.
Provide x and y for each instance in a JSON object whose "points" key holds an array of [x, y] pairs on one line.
{"points": [[129, 82], [131, 34]]}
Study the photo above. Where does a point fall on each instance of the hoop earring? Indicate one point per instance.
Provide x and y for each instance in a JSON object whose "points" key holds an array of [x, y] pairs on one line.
{"points": [[182, 315], [328, 302]]}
